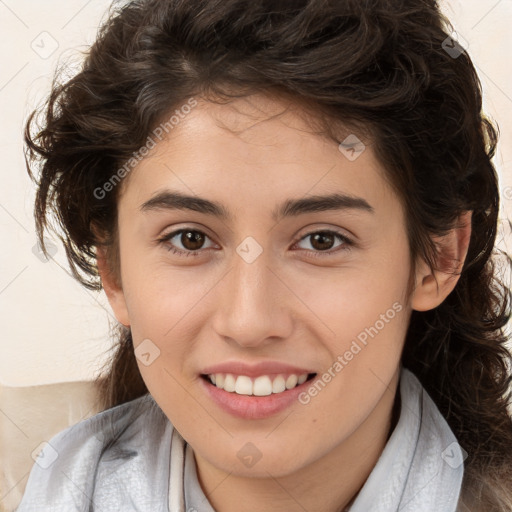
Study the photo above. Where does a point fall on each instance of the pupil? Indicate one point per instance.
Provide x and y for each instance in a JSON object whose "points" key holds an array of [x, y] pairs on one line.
{"points": [[321, 237], [192, 240]]}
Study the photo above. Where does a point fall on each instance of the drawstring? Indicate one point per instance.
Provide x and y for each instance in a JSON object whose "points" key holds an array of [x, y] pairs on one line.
{"points": [[176, 500]]}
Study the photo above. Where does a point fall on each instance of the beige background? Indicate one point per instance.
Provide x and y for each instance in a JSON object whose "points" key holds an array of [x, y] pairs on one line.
{"points": [[54, 331]]}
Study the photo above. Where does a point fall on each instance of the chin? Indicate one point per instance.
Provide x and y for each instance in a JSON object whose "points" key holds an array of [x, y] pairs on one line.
{"points": [[251, 462]]}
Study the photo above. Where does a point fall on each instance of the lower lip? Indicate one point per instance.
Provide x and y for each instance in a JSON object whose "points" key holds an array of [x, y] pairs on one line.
{"points": [[252, 407]]}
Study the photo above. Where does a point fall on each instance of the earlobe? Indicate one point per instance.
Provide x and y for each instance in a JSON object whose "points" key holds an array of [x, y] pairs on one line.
{"points": [[112, 287], [433, 287]]}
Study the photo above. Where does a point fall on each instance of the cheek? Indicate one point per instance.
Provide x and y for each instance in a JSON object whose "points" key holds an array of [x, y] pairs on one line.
{"points": [[347, 300], [168, 308], [362, 319], [158, 294]]}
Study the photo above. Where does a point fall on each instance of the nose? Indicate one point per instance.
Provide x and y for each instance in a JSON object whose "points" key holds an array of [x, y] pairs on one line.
{"points": [[253, 307]]}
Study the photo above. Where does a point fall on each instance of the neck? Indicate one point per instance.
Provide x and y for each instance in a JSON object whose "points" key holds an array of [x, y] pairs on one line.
{"points": [[329, 484]]}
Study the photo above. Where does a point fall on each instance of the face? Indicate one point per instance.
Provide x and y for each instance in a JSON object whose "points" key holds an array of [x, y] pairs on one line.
{"points": [[267, 287]]}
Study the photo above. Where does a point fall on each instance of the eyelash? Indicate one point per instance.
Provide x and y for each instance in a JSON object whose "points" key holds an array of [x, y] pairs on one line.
{"points": [[347, 243]]}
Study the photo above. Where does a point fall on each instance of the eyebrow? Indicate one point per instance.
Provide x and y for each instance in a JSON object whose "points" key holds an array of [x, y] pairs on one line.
{"points": [[174, 200]]}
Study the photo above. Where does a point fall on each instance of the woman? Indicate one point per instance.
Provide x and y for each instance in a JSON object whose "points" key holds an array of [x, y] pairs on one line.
{"points": [[292, 209]]}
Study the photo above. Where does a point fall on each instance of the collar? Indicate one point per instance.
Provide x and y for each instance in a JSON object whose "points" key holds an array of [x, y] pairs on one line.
{"points": [[130, 456], [419, 470]]}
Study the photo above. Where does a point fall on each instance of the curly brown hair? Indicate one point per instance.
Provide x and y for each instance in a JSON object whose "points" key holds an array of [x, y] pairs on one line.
{"points": [[379, 64]]}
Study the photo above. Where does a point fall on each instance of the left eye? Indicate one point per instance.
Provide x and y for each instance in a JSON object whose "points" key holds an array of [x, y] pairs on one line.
{"points": [[192, 241], [322, 241]]}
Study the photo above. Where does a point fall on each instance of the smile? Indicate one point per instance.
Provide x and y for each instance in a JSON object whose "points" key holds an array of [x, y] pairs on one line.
{"points": [[256, 397], [262, 385]]}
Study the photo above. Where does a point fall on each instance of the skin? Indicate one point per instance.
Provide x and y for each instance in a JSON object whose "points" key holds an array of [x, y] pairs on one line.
{"points": [[286, 306]]}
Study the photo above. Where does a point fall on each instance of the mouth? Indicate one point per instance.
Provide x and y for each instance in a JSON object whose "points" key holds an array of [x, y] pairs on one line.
{"points": [[253, 391], [260, 386]]}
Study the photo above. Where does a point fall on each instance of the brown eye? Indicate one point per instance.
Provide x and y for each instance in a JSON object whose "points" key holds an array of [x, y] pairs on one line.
{"points": [[322, 243], [188, 242], [192, 240], [322, 240]]}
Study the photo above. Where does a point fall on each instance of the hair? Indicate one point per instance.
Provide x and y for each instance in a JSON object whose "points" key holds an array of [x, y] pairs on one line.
{"points": [[379, 65]]}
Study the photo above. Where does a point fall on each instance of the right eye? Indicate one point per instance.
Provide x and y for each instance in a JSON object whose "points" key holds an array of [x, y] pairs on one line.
{"points": [[190, 239]]}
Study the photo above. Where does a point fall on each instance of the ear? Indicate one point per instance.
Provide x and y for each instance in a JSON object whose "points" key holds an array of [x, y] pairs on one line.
{"points": [[112, 286], [433, 287]]}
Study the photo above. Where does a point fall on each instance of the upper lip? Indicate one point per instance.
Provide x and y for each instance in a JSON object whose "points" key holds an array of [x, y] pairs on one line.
{"points": [[255, 369]]}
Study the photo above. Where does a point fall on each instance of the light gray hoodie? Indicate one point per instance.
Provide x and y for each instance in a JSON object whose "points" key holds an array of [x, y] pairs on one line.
{"points": [[130, 458]]}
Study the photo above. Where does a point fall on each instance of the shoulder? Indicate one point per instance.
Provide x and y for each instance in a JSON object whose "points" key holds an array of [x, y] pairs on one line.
{"points": [[65, 474]]}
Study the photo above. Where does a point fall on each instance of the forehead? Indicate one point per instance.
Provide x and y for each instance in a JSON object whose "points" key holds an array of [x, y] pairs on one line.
{"points": [[257, 148]]}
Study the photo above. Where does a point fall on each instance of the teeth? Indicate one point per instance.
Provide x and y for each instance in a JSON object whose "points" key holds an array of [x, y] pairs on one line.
{"points": [[260, 386], [219, 380], [243, 385], [229, 383], [279, 384], [291, 381]]}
